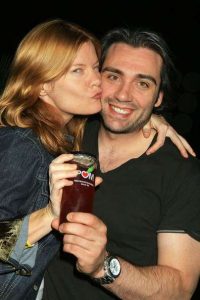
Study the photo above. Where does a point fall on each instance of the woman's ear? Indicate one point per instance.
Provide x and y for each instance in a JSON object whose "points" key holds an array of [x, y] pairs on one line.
{"points": [[43, 90]]}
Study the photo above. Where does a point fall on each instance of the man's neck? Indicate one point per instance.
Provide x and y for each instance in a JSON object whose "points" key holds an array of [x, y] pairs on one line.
{"points": [[115, 149]]}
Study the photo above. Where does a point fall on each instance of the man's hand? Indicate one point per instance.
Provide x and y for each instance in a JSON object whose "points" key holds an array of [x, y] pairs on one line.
{"points": [[85, 236]]}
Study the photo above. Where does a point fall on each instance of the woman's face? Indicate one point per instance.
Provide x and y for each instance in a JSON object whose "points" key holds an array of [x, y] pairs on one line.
{"points": [[79, 90]]}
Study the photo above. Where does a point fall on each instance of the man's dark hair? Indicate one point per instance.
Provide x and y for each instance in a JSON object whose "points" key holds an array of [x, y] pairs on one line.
{"points": [[150, 40]]}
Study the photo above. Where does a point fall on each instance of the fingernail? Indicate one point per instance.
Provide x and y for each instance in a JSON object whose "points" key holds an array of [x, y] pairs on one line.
{"points": [[61, 228], [70, 216]]}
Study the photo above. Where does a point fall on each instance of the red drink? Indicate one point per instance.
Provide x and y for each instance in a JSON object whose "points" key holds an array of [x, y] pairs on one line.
{"points": [[80, 195]]}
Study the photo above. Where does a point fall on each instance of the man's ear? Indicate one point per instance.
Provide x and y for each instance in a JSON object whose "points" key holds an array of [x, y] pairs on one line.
{"points": [[159, 100]]}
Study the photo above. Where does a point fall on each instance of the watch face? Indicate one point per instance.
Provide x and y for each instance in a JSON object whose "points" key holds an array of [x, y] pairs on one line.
{"points": [[115, 267]]}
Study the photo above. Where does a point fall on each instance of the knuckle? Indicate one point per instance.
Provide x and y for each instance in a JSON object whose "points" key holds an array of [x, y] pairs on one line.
{"points": [[50, 168], [159, 143], [86, 231], [68, 247], [171, 129], [105, 240], [104, 229]]}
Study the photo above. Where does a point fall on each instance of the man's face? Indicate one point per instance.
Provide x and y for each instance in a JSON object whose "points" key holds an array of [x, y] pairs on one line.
{"points": [[130, 84]]}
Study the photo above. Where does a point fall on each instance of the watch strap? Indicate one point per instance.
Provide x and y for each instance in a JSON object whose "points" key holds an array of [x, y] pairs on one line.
{"points": [[108, 276]]}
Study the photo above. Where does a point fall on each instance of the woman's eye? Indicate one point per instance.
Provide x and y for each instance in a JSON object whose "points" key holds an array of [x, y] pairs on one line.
{"points": [[96, 68], [78, 70]]}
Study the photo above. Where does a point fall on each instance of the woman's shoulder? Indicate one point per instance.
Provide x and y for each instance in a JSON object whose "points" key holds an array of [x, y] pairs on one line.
{"points": [[23, 135], [16, 131], [22, 139]]}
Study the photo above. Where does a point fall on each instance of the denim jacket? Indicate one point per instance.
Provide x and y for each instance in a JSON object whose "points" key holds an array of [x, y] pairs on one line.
{"points": [[24, 164]]}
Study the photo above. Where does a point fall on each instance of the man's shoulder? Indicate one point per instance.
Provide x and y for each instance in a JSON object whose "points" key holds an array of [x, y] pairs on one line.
{"points": [[170, 156]]}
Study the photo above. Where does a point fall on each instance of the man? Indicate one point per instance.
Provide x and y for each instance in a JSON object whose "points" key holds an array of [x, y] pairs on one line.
{"points": [[145, 242]]}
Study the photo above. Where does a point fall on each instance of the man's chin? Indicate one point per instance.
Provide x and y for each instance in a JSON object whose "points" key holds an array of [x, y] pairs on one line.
{"points": [[117, 130], [120, 129]]}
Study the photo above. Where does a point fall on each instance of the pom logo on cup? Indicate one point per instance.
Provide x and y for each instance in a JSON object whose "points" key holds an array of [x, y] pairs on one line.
{"points": [[86, 174], [80, 195]]}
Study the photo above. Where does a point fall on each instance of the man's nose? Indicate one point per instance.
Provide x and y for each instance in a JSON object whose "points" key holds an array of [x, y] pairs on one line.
{"points": [[124, 92]]}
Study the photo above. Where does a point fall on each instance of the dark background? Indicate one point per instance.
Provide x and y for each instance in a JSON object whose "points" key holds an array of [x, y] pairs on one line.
{"points": [[177, 22]]}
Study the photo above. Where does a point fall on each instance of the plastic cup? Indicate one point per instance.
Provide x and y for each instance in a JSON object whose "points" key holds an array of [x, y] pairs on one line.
{"points": [[80, 195]]}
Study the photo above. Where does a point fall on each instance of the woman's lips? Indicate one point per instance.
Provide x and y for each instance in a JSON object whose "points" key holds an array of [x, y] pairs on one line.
{"points": [[97, 96]]}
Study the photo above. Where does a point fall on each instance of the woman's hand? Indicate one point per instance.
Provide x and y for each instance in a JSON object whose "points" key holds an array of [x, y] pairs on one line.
{"points": [[40, 221], [60, 173], [98, 180], [164, 129]]}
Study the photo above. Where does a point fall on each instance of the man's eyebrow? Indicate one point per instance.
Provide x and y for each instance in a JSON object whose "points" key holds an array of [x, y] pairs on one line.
{"points": [[141, 76], [113, 70]]}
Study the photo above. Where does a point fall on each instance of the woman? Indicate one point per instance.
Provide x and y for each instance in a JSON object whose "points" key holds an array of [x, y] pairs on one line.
{"points": [[54, 75], [54, 82]]}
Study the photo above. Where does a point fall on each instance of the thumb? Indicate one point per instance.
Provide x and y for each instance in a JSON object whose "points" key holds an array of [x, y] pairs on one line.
{"points": [[146, 130], [55, 224], [98, 180]]}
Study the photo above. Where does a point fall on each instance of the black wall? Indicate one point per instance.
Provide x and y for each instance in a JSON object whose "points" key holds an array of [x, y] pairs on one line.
{"points": [[178, 22]]}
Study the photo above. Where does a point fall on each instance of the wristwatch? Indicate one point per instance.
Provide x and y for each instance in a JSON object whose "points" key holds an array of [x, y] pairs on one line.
{"points": [[112, 269]]}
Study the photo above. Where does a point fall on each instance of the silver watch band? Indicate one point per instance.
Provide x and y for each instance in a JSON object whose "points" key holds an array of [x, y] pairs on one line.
{"points": [[109, 276]]}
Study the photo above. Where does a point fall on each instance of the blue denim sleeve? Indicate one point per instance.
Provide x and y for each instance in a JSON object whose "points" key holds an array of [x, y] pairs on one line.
{"points": [[20, 186], [20, 254], [20, 163]]}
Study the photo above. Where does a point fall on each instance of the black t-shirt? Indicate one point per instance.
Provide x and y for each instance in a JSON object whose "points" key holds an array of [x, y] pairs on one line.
{"points": [[144, 196]]}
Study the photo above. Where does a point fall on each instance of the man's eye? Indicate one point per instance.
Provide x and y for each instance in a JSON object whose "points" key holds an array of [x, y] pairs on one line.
{"points": [[143, 84], [112, 77]]}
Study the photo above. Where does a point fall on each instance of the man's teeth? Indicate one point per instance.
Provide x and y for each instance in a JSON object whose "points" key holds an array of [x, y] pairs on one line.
{"points": [[119, 110]]}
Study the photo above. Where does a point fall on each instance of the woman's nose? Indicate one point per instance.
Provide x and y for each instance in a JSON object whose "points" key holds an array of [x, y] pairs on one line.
{"points": [[96, 78]]}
